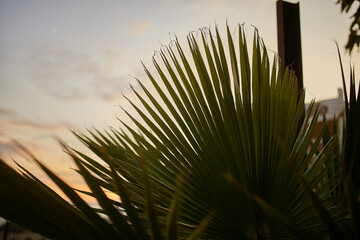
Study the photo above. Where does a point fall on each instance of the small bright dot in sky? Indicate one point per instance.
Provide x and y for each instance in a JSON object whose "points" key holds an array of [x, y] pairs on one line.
{"points": [[54, 29]]}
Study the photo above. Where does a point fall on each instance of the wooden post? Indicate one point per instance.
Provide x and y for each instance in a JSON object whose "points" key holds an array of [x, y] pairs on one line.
{"points": [[289, 38]]}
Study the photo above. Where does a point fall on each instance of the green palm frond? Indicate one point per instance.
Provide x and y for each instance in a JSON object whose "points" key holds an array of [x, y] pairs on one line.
{"points": [[223, 150], [28, 202], [217, 117]]}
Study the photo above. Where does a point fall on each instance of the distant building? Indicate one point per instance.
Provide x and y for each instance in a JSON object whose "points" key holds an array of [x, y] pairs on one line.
{"points": [[14, 232], [333, 109]]}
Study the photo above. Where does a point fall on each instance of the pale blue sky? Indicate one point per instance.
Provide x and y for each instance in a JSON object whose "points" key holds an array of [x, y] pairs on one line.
{"points": [[65, 64]]}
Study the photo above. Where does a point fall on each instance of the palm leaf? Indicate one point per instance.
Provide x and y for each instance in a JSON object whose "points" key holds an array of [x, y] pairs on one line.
{"points": [[213, 117], [215, 112]]}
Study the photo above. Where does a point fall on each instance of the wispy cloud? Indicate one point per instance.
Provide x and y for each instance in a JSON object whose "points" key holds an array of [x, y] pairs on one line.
{"points": [[35, 125], [10, 120], [139, 28], [211, 6], [209, 9], [7, 148], [143, 26], [6, 112], [75, 76], [33, 134]]}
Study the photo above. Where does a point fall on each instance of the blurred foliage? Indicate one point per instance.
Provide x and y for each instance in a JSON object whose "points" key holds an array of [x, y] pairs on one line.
{"points": [[354, 35]]}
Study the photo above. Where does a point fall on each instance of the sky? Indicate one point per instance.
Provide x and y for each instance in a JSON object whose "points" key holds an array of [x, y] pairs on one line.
{"points": [[65, 65]]}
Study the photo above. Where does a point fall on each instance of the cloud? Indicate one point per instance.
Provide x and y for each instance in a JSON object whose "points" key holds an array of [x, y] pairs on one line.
{"points": [[225, 9], [138, 29], [70, 75], [54, 29], [7, 113], [32, 134], [143, 26], [11, 120], [211, 6], [7, 148], [35, 125]]}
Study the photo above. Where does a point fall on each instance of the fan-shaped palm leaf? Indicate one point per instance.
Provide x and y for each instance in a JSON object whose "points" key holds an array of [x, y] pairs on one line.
{"points": [[227, 129], [221, 124]]}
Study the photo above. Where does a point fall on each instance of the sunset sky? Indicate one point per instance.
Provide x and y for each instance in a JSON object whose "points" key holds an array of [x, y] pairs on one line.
{"points": [[65, 64]]}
